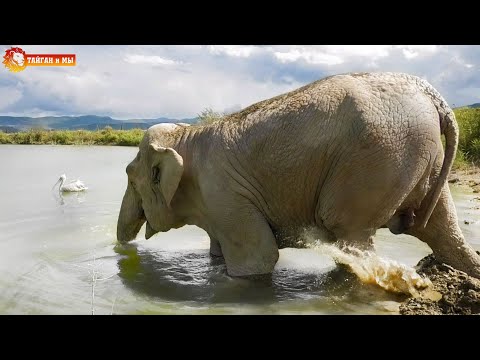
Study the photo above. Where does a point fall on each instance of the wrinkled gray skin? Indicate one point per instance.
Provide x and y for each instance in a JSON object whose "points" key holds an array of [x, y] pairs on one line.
{"points": [[347, 155]]}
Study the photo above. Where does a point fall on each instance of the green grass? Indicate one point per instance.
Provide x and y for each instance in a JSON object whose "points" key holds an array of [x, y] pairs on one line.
{"points": [[469, 143], [107, 136]]}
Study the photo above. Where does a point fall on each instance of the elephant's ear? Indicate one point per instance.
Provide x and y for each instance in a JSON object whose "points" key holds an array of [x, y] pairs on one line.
{"points": [[167, 170]]}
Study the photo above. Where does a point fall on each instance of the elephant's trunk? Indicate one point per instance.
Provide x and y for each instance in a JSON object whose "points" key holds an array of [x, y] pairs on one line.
{"points": [[131, 217], [449, 127]]}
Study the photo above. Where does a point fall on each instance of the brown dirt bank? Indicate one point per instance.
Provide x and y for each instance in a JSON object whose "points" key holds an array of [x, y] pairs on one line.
{"points": [[469, 177], [457, 292]]}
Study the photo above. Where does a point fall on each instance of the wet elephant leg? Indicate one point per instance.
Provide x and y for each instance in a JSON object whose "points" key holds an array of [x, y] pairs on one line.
{"points": [[445, 237], [247, 241]]}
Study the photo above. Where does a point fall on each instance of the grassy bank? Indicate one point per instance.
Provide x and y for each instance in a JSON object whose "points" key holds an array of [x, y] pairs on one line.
{"points": [[468, 149], [107, 136], [469, 143]]}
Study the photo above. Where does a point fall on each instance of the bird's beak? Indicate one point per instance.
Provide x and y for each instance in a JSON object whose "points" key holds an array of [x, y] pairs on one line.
{"points": [[56, 184]]}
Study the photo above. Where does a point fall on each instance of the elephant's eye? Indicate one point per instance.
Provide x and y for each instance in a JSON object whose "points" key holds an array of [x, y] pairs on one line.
{"points": [[155, 175], [132, 184]]}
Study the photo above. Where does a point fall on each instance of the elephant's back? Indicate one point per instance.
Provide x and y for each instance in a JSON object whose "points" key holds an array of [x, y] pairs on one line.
{"points": [[322, 95], [359, 108], [339, 98]]}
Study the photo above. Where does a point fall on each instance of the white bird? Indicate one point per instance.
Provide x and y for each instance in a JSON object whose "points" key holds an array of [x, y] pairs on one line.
{"points": [[72, 186]]}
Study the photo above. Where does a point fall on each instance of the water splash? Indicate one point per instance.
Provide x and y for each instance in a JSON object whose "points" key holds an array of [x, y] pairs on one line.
{"points": [[372, 269]]}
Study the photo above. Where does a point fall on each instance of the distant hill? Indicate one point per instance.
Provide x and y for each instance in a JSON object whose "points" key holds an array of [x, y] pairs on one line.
{"points": [[87, 122], [8, 129], [471, 106], [476, 105]]}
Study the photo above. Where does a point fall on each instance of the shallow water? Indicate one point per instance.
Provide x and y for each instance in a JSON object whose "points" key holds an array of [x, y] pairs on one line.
{"points": [[52, 249]]}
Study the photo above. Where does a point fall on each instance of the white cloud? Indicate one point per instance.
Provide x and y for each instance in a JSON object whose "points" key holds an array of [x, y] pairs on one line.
{"points": [[409, 54], [457, 60], [339, 54], [348, 51], [149, 60], [8, 96], [412, 51], [329, 54], [311, 57], [240, 51]]}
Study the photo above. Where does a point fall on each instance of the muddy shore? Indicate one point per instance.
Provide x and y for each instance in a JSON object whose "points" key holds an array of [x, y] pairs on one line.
{"points": [[453, 291], [469, 177]]}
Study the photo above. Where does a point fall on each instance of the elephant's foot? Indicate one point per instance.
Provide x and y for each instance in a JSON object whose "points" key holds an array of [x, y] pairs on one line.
{"points": [[259, 262], [463, 258]]}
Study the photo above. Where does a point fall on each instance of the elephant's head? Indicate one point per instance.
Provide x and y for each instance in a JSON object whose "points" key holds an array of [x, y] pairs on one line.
{"points": [[153, 178]]}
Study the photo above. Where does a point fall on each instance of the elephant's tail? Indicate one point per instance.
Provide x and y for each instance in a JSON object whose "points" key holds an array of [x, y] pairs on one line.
{"points": [[448, 127]]}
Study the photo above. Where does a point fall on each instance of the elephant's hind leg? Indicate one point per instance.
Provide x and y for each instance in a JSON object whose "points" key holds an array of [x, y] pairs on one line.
{"points": [[445, 237]]}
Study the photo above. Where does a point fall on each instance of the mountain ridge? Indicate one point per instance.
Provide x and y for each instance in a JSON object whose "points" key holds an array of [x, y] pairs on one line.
{"points": [[95, 122], [85, 122]]}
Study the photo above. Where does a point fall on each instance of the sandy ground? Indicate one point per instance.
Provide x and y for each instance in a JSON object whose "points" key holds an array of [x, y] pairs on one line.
{"points": [[453, 291]]}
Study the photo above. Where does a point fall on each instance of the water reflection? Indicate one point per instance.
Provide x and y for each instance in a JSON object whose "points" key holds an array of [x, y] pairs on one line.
{"points": [[198, 277], [69, 197]]}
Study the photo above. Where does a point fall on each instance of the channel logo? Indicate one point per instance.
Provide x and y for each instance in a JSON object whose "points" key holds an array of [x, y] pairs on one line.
{"points": [[16, 60]]}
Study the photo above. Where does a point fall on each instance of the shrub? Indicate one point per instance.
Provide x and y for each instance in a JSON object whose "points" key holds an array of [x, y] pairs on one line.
{"points": [[209, 116], [5, 138], [469, 141]]}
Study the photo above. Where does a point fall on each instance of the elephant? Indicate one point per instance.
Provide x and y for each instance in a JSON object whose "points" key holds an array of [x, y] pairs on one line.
{"points": [[347, 154]]}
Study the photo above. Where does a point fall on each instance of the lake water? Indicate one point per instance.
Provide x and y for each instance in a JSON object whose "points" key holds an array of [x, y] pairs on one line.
{"points": [[59, 255]]}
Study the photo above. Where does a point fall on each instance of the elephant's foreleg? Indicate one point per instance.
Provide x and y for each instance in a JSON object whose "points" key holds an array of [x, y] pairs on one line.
{"points": [[215, 249], [247, 242], [445, 237]]}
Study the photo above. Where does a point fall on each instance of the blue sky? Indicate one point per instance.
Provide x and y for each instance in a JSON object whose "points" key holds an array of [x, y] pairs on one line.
{"points": [[180, 81]]}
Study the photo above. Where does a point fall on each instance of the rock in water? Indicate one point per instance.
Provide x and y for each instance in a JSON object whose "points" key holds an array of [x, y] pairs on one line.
{"points": [[454, 180], [460, 293]]}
